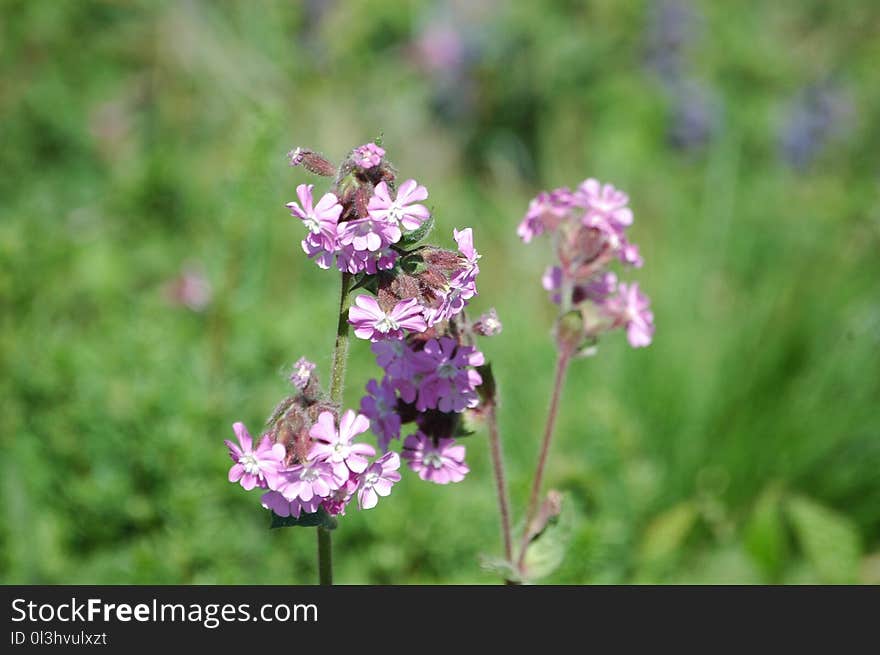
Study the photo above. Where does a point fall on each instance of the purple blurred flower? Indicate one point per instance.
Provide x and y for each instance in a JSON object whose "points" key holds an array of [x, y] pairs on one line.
{"points": [[378, 480], [254, 468], [380, 406], [302, 373], [191, 289], [371, 322], [670, 29], [368, 155], [336, 447], [405, 210], [819, 113], [441, 463]]}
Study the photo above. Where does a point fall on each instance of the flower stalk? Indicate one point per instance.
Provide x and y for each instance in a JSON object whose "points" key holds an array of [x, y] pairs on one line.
{"points": [[337, 386], [562, 363], [500, 481]]}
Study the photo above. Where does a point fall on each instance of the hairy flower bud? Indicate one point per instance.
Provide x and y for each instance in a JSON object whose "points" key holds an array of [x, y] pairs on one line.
{"points": [[311, 161]]}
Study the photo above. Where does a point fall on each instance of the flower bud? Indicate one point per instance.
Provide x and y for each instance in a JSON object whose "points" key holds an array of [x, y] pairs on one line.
{"points": [[311, 161], [570, 332], [488, 325]]}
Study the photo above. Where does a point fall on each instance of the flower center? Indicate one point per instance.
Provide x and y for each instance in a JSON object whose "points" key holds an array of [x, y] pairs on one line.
{"points": [[311, 221], [386, 324], [308, 474], [447, 370], [395, 212], [340, 450], [251, 463], [371, 478], [433, 459]]}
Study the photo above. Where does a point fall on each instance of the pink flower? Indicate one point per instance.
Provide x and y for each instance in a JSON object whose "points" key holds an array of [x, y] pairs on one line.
{"points": [[356, 261], [441, 463], [370, 322], [368, 233], [295, 156], [302, 373], [460, 289], [404, 210], [337, 501], [321, 221], [629, 254], [599, 288], [380, 406], [336, 447], [368, 155], [311, 479], [630, 308], [546, 211], [401, 362], [465, 241], [606, 207], [283, 507], [254, 468], [596, 289], [377, 480], [451, 385]]}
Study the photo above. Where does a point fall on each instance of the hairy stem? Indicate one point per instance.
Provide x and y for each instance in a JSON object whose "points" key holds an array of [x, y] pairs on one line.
{"points": [[340, 351], [337, 385], [500, 484], [561, 369]]}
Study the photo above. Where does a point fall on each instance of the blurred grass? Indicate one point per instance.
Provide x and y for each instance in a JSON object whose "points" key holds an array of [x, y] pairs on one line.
{"points": [[743, 446]]}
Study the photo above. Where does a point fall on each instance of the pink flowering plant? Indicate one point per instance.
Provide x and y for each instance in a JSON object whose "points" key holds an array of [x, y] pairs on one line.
{"points": [[314, 458]]}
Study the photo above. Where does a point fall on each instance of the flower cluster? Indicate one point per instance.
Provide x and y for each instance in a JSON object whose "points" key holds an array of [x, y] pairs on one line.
{"points": [[589, 229], [417, 327], [411, 307], [322, 467], [359, 223]]}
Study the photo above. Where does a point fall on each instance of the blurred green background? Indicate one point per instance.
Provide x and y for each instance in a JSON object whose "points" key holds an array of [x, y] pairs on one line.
{"points": [[153, 290]]}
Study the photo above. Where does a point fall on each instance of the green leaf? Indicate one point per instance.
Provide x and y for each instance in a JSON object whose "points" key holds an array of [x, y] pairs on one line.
{"points": [[364, 281], [412, 238], [412, 263], [765, 536], [547, 549], [828, 539], [666, 534], [319, 518]]}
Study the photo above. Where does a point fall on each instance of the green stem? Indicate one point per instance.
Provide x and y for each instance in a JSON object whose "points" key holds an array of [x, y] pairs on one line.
{"points": [[325, 557], [337, 385], [561, 368], [340, 351]]}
